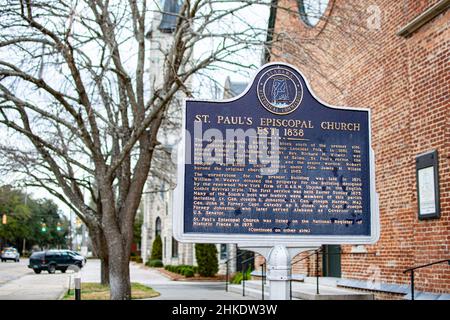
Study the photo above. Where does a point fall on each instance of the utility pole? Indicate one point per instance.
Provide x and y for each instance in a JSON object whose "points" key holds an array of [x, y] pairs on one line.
{"points": [[70, 229]]}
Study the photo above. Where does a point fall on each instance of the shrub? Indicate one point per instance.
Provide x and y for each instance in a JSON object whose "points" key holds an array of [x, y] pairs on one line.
{"points": [[247, 274], [206, 255], [185, 270], [188, 273], [156, 249], [154, 263], [137, 259], [237, 278]]}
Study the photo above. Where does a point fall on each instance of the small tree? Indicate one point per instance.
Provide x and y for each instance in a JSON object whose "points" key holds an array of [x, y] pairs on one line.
{"points": [[157, 249], [206, 254]]}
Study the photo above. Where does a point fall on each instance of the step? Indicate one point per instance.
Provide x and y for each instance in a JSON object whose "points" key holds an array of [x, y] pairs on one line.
{"points": [[307, 291], [326, 281], [295, 277], [249, 291]]}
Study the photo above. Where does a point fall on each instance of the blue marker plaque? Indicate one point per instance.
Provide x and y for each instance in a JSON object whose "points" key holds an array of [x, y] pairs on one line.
{"points": [[276, 165]]}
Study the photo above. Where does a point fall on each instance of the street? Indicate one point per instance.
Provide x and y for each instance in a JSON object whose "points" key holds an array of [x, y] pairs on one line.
{"points": [[18, 282], [12, 270]]}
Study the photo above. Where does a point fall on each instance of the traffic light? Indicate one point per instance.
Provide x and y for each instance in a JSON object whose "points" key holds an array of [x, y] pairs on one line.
{"points": [[4, 218], [58, 227], [43, 227]]}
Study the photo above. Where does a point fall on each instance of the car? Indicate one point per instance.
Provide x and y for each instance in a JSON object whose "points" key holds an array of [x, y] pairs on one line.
{"points": [[10, 254], [53, 260], [76, 254], [71, 252]]}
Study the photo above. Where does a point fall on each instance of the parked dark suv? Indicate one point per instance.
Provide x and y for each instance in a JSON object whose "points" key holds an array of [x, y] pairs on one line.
{"points": [[53, 260]]}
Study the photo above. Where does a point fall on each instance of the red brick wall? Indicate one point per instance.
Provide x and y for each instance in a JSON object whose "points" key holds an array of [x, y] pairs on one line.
{"points": [[406, 83]]}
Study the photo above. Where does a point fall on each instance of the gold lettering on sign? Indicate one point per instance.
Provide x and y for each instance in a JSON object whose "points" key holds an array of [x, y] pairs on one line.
{"points": [[340, 126], [234, 120], [286, 123]]}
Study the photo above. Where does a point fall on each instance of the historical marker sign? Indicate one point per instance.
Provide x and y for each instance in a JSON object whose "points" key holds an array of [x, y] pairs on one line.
{"points": [[275, 165]]}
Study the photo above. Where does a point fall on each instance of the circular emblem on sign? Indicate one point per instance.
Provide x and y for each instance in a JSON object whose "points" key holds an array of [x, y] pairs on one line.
{"points": [[280, 90]]}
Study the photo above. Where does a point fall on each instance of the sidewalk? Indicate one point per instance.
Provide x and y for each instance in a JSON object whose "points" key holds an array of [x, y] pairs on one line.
{"points": [[182, 290], [169, 290], [42, 286], [45, 286]]}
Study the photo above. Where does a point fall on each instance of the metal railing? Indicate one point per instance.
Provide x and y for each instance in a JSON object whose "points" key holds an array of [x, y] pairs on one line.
{"points": [[263, 279], [227, 276], [420, 267], [228, 269], [316, 252], [244, 273]]}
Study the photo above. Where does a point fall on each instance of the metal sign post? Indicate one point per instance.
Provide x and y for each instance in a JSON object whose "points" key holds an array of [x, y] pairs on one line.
{"points": [[278, 261], [279, 272]]}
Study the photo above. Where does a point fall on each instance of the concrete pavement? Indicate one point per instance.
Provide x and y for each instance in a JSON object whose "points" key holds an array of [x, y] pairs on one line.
{"points": [[18, 282], [169, 290]]}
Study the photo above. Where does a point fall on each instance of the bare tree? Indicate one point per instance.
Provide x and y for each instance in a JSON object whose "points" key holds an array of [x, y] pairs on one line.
{"points": [[72, 81]]}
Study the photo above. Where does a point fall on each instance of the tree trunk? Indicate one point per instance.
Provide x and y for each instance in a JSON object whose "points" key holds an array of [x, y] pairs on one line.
{"points": [[101, 251], [104, 271], [119, 273]]}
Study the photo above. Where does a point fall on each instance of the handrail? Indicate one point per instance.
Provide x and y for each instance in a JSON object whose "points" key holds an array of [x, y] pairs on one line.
{"points": [[420, 267], [304, 258], [227, 269], [263, 279], [248, 259], [236, 256], [244, 271], [427, 265], [315, 252]]}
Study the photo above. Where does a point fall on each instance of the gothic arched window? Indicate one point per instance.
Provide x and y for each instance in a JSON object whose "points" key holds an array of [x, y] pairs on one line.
{"points": [[311, 11], [158, 226]]}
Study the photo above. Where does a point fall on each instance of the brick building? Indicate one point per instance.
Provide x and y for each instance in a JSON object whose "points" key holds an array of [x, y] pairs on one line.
{"points": [[392, 57]]}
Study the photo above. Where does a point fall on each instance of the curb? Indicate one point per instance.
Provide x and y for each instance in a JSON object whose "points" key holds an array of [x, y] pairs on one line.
{"points": [[62, 294]]}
